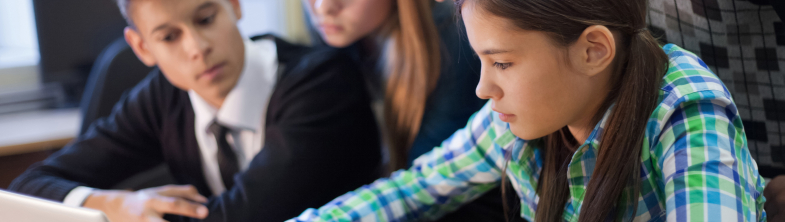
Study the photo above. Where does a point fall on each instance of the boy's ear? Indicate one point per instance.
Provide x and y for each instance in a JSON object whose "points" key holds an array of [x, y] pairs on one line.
{"points": [[238, 12], [134, 40]]}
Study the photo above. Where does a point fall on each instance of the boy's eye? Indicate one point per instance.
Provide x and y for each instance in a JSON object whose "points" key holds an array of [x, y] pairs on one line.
{"points": [[168, 38], [502, 66], [207, 20]]}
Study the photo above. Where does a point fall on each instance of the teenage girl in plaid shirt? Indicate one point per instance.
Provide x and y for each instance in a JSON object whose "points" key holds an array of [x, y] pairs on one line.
{"points": [[589, 118]]}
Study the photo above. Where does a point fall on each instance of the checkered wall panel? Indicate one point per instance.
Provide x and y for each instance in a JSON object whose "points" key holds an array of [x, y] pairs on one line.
{"points": [[744, 44]]}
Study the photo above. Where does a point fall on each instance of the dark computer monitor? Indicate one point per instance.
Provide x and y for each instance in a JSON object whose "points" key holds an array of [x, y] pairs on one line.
{"points": [[71, 34]]}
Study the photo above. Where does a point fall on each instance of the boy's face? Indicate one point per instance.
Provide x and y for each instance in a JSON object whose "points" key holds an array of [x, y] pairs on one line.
{"points": [[195, 43]]}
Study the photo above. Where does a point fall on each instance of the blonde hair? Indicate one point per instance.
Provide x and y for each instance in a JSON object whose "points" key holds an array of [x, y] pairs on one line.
{"points": [[413, 65]]}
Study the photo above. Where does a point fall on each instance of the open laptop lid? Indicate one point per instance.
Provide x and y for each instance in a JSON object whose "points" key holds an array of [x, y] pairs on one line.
{"points": [[21, 208]]}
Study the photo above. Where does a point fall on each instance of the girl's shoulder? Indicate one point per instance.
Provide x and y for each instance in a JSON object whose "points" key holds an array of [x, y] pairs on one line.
{"points": [[689, 91], [688, 78]]}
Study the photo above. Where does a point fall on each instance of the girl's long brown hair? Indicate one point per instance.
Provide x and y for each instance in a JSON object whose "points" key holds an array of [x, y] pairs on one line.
{"points": [[413, 65], [640, 64]]}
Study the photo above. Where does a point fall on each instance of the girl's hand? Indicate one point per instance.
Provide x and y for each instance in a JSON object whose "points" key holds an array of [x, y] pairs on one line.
{"points": [[775, 198]]}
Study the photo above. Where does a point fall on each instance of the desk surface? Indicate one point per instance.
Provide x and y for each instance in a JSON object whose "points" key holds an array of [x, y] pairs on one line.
{"points": [[38, 130]]}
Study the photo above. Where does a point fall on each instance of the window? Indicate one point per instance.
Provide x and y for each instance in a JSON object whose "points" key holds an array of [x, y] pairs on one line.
{"points": [[18, 41]]}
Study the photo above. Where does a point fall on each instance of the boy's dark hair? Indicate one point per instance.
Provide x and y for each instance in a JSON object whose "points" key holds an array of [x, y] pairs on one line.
{"points": [[123, 6]]}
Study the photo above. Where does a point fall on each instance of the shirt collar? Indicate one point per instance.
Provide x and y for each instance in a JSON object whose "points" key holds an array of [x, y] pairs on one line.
{"points": [[244, 105], [593, 139], [596, 133]]}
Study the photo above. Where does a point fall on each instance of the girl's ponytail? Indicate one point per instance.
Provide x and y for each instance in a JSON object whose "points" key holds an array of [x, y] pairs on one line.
{"points": [[615, 180]]}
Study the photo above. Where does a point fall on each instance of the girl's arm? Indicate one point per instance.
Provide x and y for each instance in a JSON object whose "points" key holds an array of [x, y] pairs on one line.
{"points": [[463, 168], [705, 166]]}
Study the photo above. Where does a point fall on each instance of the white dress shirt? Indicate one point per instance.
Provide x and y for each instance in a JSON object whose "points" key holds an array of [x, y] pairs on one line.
{"points": [[243, 113]]}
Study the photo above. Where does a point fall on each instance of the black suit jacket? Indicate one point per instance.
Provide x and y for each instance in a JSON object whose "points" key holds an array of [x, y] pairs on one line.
{"points": [[321, 141]]}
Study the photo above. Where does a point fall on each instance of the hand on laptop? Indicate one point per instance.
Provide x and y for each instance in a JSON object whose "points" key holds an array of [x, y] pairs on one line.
{"points": [[148, 205]]}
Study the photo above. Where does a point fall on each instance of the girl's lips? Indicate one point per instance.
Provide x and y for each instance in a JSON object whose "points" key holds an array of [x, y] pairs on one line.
{"points": [[330, 29], [504, 116]]}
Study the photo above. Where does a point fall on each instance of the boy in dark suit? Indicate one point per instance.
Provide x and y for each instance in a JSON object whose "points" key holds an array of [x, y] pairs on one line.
{"points": [[256, 130]]}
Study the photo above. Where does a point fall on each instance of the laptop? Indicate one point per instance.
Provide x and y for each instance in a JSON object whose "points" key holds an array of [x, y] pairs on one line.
{"points": [[21, 208]]}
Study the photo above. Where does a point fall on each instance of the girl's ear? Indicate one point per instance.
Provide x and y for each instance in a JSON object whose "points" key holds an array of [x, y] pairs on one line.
{"points": [[594, 50], [134, 40]]}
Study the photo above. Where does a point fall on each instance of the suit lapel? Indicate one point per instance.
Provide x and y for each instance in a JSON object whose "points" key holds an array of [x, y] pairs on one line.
{"points": [[181, 150]]}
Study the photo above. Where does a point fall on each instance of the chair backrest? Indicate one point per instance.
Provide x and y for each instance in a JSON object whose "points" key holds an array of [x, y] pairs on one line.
{"points": [[743, 42], [116, 70]]}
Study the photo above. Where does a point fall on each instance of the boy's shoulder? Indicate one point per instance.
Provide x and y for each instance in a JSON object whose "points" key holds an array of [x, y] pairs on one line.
{"points": [[294, 55], [300, 62], [156, 91]]}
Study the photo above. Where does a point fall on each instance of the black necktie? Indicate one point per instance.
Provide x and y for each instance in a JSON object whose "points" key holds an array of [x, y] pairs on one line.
{"points": [[227, 160]]}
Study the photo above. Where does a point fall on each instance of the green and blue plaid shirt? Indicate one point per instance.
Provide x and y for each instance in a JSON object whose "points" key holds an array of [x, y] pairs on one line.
{"points": [[695, 165]]}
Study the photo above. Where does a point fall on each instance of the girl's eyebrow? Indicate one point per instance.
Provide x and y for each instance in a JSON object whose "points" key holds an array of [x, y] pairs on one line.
{"points": [[494, 51]]}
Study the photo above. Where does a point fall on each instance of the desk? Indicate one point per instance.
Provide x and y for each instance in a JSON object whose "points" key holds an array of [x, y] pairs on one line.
{"points": [[37, 131], [26, 138]]}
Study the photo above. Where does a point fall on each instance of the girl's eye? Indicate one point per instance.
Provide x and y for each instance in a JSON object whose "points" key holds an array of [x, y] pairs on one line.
{"points": [[502, 66]]}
